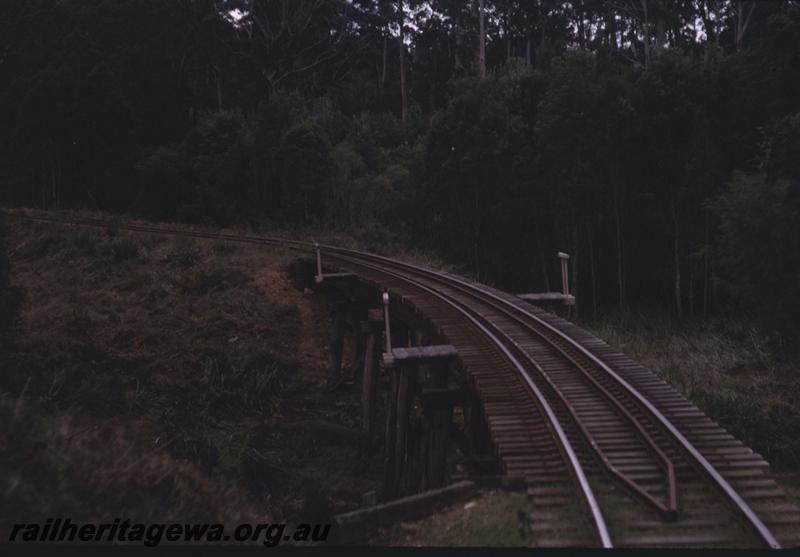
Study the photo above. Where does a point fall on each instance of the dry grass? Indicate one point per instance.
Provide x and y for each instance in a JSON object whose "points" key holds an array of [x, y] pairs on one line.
{"points": [[160, 377], [730, 369], [494, 519], [374, 240]]}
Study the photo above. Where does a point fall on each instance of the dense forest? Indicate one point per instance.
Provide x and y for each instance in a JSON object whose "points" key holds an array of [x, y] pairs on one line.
{"points": [[657, 141]]}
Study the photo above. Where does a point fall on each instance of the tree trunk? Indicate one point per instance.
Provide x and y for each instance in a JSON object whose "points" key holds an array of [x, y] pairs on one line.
{"points": [[528, 50], [54, 194], [544, 271], [54, 169], [219, 90], [660, 34], [714, 283], [620, 266], [481, 41], [612, 31], [476, 220], [574, 260], [676, 251], [382, 83], [402, 45], [712, 33], [581, 31], [706, 267], [457, 63], [742, 21], [646, 34], [507, 32], [593, 274]]}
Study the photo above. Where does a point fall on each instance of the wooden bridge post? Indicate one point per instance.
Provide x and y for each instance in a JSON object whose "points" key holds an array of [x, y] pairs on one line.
{"points": [[370, 329], [411, 367], [423, 448], [336, 343], [401, 423], [357, 317], [387, 336], [564, 272], [390, 401], [408, 368], [441, 416], [476, 429], [400, 335], [336, 286], [390, 405], [318, 278]]}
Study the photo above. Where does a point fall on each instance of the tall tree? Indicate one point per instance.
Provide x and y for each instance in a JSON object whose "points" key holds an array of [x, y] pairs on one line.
{"points": [[481, 40], [401, 45]]}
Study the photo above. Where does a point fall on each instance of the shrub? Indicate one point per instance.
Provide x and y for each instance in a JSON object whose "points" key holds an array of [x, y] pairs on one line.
{"points": [[185, 252], [759, 246]]}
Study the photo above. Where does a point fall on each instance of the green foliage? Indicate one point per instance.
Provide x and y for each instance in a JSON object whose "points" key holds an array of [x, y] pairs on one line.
{"points": [[86, 241], [192, 181], [780, 150], [165, 177], [125, 249], [727, 366], [759, 229], [760, 245], [218, 148], [184, 252], [587, 138], [478, 155], [304, 169]]}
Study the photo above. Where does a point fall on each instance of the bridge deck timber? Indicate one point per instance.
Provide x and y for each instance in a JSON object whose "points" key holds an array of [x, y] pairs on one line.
{"points": [[524, 447], [612, 454]]}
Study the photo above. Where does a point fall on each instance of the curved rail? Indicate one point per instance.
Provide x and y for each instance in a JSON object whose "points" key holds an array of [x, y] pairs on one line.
{"points": [[667, 509], [576, 470], [741, 506], [478, 321], [750, 517]]}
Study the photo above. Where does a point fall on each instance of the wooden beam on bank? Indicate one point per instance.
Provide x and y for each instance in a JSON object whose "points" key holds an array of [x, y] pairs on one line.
{"points": [[359, 524], [567, 299], [419, 354], [334, 276]]}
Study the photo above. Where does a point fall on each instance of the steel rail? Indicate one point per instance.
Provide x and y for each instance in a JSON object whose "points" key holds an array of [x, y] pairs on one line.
{"points": [[667, 509], [706, 468], [576, 469], [739, 504]]}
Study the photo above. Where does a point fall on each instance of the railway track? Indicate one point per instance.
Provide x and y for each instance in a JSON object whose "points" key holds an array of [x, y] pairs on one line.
{"points": [[611, 455]]}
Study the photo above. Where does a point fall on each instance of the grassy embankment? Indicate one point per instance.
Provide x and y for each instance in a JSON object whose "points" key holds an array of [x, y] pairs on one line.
{"points": [[732, 371], [735, 372], [154, 376], [160, 378]]}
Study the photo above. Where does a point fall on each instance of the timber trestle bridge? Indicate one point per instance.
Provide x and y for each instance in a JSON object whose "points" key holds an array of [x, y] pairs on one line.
{"points": [[610, 454]]}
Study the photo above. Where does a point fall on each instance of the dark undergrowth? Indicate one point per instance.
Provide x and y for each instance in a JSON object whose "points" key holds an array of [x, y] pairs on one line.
{"points": [[740, 375], [154, 378]]}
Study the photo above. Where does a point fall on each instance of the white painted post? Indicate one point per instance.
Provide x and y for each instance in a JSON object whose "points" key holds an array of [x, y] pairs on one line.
{"points": [[318, 278], [564, 273], [386, 324]]}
